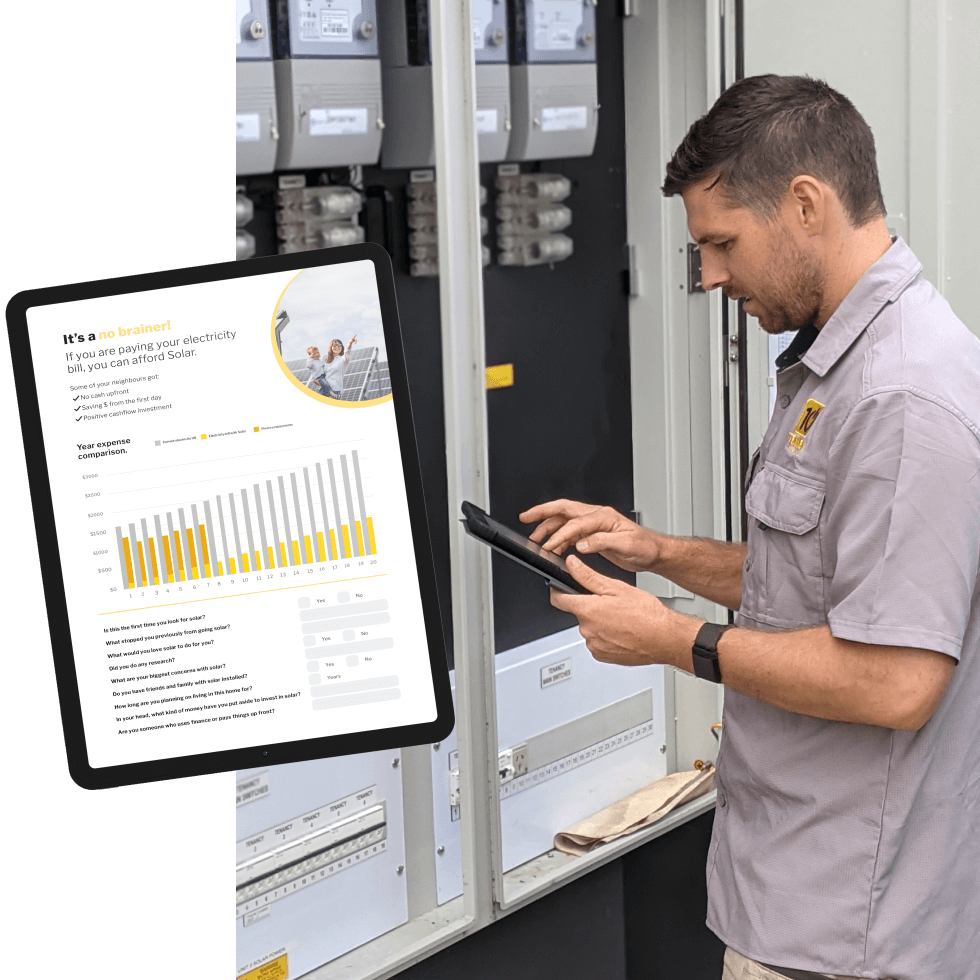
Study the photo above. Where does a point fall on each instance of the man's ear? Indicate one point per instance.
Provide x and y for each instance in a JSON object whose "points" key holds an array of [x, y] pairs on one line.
{"points": [[808, 199]]}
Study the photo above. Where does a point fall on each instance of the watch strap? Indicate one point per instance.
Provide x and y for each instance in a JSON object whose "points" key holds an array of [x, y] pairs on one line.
{"points": [[705, 651]]}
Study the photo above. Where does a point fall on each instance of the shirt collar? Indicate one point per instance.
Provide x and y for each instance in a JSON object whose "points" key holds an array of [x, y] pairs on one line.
{"points": [[881, 284]]}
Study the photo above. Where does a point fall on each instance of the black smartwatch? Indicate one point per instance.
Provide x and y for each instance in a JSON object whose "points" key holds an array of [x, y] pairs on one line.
{"points": [[705, 652]]}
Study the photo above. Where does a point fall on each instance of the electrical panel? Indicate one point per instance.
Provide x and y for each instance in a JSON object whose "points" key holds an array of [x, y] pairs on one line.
{"points": [[256, 123], [328, 83], [406, 48], [575, 735], [553, 81], [320, 860]]}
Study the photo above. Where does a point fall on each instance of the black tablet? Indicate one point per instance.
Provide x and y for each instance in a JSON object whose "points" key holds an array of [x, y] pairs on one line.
{"points": [[229, 513], [525, 552]]}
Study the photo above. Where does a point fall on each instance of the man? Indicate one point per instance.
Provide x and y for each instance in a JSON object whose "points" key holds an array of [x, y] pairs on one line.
{"points": [[847, 830]]}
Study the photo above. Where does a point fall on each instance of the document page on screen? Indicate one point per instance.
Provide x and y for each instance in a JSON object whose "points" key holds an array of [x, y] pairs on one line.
{"points": [[231, 514]]}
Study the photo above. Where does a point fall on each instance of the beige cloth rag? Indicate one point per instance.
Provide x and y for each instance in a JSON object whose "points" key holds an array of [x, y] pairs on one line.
{"points": [[644, 807]]}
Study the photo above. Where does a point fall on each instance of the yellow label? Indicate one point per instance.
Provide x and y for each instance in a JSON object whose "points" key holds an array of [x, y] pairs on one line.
{"points": [[797, 438], [277, 969], [500, 376], [255, 428]]}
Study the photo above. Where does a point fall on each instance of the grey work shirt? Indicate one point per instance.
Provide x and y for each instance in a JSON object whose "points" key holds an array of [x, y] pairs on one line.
{"points": [[841, 848]]}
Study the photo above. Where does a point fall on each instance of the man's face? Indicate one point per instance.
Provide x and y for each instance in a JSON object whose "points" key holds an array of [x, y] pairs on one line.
{"points": [[768, 263]]}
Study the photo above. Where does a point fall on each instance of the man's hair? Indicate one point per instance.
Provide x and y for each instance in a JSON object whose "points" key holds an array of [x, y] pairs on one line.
{"points": [[768, 129]]}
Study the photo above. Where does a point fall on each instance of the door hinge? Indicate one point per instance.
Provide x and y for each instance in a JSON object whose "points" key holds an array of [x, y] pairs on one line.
{"points": [[694, 269]]}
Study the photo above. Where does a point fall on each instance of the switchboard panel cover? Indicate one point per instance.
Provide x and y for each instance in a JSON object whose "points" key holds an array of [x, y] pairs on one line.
{"points": [[576, 734], [361, 898]]}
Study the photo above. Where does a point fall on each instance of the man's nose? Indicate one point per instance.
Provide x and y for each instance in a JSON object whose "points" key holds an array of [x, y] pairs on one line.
{"points": [[713, 270]]}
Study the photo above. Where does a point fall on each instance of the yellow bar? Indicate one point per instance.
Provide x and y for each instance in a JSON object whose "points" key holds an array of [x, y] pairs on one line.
{"points": [[139, 548], [178, 551], [166, 555], [231, 565], [346, 534], [360, 538], [258, 560], [129, 563], [282, 555], [295, 552], [374, 547], [206, 557], [220, 572], [309, 550], [191, 553], [272, 560], [333, 544], [321, 546], [244, 562], [153, 561]]}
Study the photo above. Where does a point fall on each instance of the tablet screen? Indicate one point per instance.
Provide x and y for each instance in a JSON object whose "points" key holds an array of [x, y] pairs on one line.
{"points": [[231, 514]]}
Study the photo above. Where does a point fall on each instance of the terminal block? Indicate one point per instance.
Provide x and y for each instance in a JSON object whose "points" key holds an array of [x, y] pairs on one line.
{"points": [[530, 218], [323, 216]]}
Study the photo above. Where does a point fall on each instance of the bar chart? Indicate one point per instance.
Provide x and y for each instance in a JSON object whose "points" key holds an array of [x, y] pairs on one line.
{"points": [[305, 516]]}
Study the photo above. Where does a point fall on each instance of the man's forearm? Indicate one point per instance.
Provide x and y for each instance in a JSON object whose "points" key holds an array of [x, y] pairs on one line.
{"points": [[813, 673], [711, 569]]}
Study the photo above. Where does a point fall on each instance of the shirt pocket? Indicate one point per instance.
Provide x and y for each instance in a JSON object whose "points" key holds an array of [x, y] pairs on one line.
{"points": [[785, 535]]}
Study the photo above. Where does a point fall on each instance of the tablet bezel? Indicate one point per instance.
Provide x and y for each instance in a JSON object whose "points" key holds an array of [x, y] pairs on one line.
{"points": [[473, 514], [26, 383]]}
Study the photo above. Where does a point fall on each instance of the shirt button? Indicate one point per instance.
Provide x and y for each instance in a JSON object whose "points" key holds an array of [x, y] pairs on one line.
{"points": [[784, 401]]}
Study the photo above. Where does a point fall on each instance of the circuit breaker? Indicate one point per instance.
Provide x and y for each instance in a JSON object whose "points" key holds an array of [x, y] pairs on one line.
{"points": [[256, 124], [328, 83], [553, 84], [320, 860], [406, 49]]}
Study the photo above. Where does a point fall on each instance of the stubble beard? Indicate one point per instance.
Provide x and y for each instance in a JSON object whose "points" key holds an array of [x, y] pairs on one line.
{"points": [[798, 292]]}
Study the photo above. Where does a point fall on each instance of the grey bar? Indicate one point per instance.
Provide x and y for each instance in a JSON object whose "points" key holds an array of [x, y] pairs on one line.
{"points": [[122, 556], [161, 554], [290, 558], [346, 700], [377, 619], [248, 529], [329, 612], [170, 538], [146, 552], [275, 526], [209, 525], [309, 511], [358, 646], [323, 511], [261, 520], [350, 506], [234, 528], [597, 726], [352, 687], [182, 537], [360, 502], [224, 534], [336, 511], [299, 520], [202, 558], [134, 551]]}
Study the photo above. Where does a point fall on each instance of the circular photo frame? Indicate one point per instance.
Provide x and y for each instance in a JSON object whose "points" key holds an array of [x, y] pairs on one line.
{"points": [[328, 335]]}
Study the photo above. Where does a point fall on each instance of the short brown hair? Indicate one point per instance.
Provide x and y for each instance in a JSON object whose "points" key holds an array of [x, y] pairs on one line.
{"points": [[768, 129]]}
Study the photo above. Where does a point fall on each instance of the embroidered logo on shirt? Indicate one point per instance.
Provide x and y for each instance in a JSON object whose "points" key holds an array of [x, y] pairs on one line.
{"points": [[797, 438]]}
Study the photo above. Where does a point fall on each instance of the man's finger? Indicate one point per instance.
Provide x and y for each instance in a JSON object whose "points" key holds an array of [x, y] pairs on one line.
{"points": [[597, 584], [567, 602], [552, 508], [545, 528]]}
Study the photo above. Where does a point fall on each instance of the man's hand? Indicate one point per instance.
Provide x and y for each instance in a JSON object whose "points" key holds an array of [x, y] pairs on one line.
{"points": [[624, 625], [593, 530]]}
